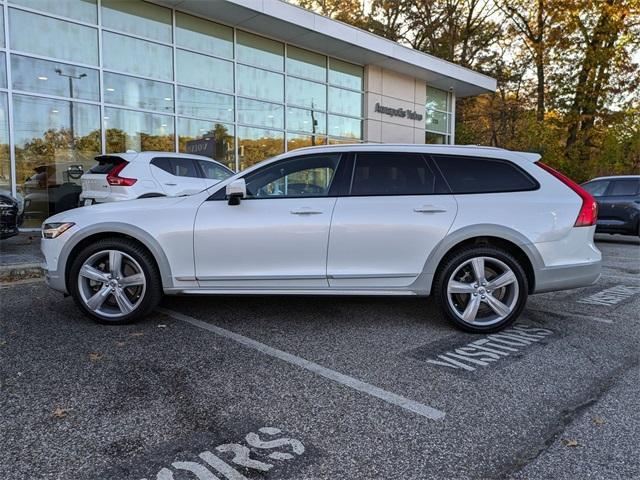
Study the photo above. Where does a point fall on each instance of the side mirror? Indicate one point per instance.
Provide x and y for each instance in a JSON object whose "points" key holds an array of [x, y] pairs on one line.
{"points": [[236, 190]]}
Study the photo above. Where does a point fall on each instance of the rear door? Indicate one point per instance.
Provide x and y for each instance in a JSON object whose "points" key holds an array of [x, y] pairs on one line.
{"points": [[618, 206], [394, 214], [213, 172], [94, 182], [177, 176]]}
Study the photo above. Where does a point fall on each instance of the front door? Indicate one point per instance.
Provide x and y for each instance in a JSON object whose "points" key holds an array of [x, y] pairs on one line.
{"points": [[277, 236], [385, 228]]}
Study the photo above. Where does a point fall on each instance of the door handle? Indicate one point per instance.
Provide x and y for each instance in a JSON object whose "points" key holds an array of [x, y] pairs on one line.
{"points": [[305, 211], [429, 209], [171, 184]]}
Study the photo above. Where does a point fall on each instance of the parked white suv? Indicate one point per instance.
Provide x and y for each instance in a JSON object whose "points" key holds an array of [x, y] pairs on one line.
{"points": [[478, 228], [127, 176]]}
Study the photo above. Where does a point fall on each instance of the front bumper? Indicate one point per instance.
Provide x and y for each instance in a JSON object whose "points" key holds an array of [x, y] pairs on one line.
{"points": [[566, 277], [54, 273]]}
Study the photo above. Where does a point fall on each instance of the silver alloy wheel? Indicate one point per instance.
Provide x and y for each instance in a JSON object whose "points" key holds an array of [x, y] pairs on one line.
{"points": [[111, 283], [483, 291]]}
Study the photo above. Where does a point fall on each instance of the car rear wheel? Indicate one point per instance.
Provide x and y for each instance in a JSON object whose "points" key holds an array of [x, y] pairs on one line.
{"points": [[115, 281], [482, 289]]}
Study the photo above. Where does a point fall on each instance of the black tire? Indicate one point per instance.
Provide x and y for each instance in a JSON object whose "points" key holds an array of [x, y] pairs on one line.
{"points": [[153, 289], [457, 258]]}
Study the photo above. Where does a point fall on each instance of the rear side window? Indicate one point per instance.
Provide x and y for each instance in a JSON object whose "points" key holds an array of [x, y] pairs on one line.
{"points": [[596, 188], [626, 187], [213, 171], [105, 164], [391, 173], [483, 175], [180, 167]]}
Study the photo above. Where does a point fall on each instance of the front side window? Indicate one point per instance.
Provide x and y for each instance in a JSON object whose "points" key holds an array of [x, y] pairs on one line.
{"points": [[308, 176], [483, 175], [392, 173], [597, 188], [213, 171], [626, 187]]}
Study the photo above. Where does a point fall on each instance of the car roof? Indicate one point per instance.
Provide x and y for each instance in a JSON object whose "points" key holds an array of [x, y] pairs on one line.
{"points": [[143, 156], [616, 177], [471, 150]]}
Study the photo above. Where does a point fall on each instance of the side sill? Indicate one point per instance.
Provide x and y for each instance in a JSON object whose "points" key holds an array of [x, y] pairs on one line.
{"points": [[270, 291]]}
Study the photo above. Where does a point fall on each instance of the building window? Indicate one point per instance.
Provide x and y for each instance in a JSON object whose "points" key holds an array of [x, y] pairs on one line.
{"points": [[302, 63], [54, 78], [258, 83], [138, 92], [54, 38], [83, 10], [204, 71], [54, 145], [202, 35], [259, 51], [139, 131], [254, 112], [207, 138], [345, 74], [5, 158], [137, 57], [438, 116], [194, 102], [138, 18], [257, 144]]}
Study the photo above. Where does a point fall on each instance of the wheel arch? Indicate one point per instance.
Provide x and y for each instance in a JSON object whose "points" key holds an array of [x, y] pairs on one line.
{"points": [[510, 240], [115, 230]]}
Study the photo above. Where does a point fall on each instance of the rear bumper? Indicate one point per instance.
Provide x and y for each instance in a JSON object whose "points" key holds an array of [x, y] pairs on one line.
{"points": [[566, 277]]}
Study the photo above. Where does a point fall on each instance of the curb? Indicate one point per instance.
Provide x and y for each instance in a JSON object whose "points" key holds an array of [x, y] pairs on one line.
{"points": [[20, 271]]}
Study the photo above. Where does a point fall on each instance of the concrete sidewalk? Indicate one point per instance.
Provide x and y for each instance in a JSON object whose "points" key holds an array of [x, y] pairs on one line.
{"points": [[20, 257]]}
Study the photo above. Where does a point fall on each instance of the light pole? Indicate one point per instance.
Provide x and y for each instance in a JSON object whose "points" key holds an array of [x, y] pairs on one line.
{"points": [[71, 79]]}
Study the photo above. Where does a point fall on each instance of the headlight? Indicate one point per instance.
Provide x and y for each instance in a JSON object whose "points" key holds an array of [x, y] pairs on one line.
{"points": [[53, 230]]}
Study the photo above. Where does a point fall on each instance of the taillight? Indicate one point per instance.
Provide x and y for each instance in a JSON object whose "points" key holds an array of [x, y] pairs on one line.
{"points": [[589, 210], [114, 179]]}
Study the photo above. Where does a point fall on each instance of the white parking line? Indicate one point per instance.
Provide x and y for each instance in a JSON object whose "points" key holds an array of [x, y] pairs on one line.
{"points": [[407, 404]]}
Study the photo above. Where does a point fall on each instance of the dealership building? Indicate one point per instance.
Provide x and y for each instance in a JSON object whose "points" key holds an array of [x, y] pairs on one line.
{"points": [[237, 80]]}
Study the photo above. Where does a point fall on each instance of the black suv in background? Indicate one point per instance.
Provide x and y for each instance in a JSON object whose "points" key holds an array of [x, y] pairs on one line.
{"points": [[618, 203]]}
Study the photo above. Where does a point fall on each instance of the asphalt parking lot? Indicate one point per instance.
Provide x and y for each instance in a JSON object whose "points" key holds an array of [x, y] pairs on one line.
{"points": [[318, 388]]}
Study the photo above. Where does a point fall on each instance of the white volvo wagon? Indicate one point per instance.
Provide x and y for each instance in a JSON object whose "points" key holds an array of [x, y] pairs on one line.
{"points": [[478, 228]]}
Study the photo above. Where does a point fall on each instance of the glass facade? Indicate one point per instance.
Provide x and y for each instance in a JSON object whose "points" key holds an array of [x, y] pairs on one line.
{"points": [[439, 116], [84, 77]]}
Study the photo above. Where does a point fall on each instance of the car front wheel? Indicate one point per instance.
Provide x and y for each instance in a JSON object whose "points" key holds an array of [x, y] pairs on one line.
{"points": [[115, 281], [482, 289]]}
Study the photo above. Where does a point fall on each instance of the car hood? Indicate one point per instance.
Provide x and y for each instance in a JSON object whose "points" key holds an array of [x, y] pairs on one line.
{"points": [[144, 206]]}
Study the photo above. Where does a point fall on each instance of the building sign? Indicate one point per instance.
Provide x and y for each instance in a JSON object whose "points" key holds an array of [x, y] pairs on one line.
{"points": [[398, 112], [204, 147]]}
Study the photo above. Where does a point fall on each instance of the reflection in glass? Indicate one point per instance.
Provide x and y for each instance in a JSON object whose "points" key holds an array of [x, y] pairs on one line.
{"points": [[345, 74], [200, 34], [253, 82], [1, 27], [55, 142], [345, 127], [303, 93], [83, 10], [138, 57], [437, 99], [3, 70], [306, 120], [342, 141], [210, 139], [53, 78], [295, 140], [203, 71], [438, 138], [200, 103], [54, 38], [253, 112], [436, 121], [345, 102], [128, 130], [259, 51], [303, 63], [138, 92], [5, 161], [138, 18], [256, 144]]}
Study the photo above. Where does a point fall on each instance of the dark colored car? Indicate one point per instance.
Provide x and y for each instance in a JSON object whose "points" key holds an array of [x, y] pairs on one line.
{"points": [[11, 215], [618, 203]]}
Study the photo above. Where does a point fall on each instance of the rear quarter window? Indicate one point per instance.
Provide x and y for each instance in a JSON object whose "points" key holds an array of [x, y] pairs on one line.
{"points": [[483, 175], [105, 164]]}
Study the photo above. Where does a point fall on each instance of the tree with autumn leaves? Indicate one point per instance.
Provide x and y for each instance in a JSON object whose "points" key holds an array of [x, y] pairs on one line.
{"points": [[567, 71]]}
